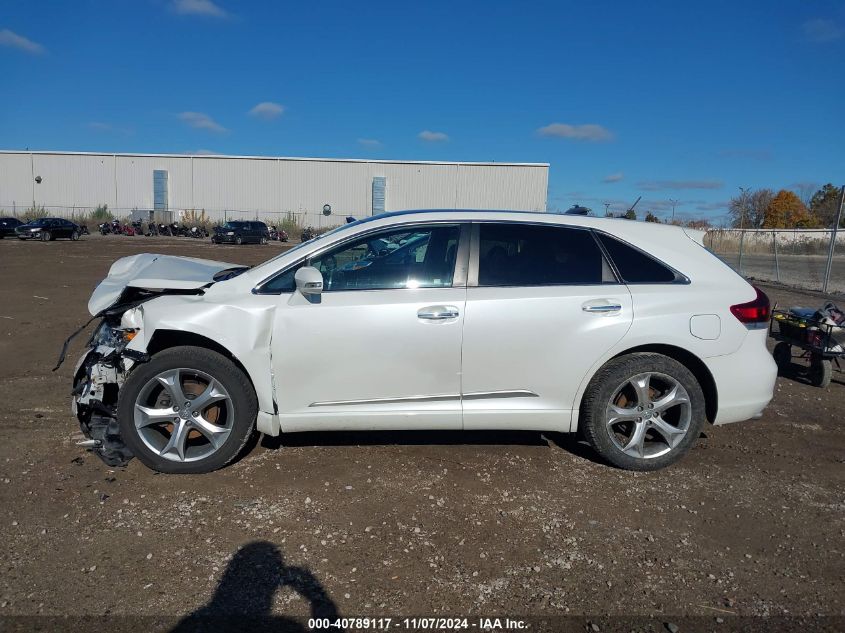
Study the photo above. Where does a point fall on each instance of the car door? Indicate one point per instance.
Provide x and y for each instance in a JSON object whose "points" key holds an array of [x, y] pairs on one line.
{"points": [[381, 346], [543, 304]]}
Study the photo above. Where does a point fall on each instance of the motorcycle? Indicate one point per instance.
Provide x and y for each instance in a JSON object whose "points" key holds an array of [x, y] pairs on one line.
{"points": [[152, 229], [179, 230], [105, 228], [283, 235], [308, 234], [198, 232]]}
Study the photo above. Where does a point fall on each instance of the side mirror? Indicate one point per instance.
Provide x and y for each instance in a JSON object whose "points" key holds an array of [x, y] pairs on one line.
{"points": [[309, 281]]}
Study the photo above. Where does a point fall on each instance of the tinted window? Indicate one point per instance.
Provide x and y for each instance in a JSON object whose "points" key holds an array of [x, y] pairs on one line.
{"points": [[533, 255], [421, 257], [633, 265]]}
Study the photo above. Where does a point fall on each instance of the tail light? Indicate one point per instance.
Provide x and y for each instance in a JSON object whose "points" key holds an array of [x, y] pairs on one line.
{"points": [[756, 311]]}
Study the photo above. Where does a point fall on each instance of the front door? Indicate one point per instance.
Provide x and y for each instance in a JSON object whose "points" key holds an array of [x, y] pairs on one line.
{"points": [[542, 305], [380, 348]]}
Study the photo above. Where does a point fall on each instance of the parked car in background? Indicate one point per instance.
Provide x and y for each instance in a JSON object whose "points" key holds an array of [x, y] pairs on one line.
{"points": [[46, 229], [8, 226], [241, 232], [631, 334]]}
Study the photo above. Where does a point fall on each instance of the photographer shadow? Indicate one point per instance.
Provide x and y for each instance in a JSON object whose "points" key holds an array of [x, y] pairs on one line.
{"points": [[243, 600]]}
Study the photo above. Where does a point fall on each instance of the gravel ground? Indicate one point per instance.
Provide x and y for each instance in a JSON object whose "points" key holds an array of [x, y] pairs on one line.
{"points": [[520, 524]]}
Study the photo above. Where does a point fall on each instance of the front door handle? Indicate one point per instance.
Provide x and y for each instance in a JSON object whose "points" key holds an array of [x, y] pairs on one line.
{"points": [[601, 306], [438, 313]]}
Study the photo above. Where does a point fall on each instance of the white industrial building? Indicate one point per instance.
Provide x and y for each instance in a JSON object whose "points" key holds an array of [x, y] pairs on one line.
{"points": [[71, 183]]}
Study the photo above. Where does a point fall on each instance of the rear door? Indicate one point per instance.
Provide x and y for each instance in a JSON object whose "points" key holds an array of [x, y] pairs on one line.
{"points": [[543, 305]]}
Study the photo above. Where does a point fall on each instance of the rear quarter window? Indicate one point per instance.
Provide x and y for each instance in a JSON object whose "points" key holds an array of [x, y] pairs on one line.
{"points": [[635, 266]]}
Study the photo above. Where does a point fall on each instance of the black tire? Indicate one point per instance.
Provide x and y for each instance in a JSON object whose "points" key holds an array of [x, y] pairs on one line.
{"points": [[224, 371], [74, 236], [605, 384], [264, 241], [239, 240], [46, 236], [821, 372], [782, 355]]}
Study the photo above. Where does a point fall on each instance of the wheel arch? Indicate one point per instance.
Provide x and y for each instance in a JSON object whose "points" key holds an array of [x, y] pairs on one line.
{"points": [[687, 359], [163, 339]]}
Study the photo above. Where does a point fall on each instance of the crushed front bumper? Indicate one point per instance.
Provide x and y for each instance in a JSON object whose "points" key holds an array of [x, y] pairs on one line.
{"points": [[97, 379]]}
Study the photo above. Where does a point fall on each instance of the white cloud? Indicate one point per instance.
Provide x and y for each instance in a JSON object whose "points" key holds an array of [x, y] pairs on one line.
{"points": [[202, 121], [819, 30], [659, 185], [587, 132], [267, 110], [433, 137], [369, 142], [13, 40], [199, 7], [613, 177]]}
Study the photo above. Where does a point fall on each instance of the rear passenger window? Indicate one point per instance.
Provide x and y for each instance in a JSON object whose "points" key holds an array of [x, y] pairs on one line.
{"points": [[633, 265], [535, 255]]}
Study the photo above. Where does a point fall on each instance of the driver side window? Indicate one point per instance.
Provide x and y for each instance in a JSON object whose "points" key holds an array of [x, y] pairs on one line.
{"points": [[412, 257]]}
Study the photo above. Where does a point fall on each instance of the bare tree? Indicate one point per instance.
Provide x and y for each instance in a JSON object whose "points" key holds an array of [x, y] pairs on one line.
{"points": [[748, 209]]}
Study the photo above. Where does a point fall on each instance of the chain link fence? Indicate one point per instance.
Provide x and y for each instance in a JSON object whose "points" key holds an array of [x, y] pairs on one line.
{"points": [[290, 220], [796, 257]]}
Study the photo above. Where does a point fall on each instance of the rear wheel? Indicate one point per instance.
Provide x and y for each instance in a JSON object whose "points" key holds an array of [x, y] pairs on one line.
{"points": [[642, 411], [782, 355], [264, 241], [188, 410], [821, 372]]}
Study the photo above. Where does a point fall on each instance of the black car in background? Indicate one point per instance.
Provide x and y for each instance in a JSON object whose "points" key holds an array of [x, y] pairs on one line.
{"points": [[7, 227], [241, 232], [46, 229]]}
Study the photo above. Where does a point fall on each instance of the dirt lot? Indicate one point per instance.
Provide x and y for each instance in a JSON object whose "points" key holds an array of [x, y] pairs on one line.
{"points": [[750, 523]]}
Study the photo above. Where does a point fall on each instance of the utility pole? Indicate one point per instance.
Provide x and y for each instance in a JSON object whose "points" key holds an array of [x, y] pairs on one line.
{"points": [[674, 202], [606, 209], [829, 267]]}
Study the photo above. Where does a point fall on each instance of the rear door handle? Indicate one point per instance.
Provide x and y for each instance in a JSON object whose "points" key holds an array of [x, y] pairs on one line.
{"points": [[601, 306], [438, 313]]}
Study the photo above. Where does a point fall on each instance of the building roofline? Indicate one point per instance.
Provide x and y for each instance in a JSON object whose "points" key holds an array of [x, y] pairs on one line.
{"points": [[276, 158]]}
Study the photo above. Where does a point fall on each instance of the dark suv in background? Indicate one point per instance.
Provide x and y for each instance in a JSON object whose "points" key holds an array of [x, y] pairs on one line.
{"points": [[8, 226], [241, 232], [46, 229]]}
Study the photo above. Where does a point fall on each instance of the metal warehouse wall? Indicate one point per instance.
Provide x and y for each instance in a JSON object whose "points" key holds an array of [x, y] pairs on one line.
{"points": [[256, 186]]}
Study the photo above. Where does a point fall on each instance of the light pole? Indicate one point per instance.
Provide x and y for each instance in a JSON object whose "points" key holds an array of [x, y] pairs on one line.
{"points": [[606, 209], [744, 201], [674, 202]]}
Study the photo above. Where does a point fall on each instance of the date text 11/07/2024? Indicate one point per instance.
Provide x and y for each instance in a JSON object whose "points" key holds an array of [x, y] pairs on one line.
{"points": [[416, 624]]}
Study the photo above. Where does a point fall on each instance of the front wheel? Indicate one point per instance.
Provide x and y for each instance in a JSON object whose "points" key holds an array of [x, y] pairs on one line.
{"points": [[239, 240], [642, 411], [188, 410], [46, 236]]}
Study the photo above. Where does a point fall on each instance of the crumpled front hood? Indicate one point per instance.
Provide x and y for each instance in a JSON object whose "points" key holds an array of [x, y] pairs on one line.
{"points": [[154, 272]]}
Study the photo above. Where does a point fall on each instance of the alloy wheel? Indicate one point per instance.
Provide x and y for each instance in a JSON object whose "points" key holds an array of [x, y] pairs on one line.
{"points": [[183, 415], [648, 415]]}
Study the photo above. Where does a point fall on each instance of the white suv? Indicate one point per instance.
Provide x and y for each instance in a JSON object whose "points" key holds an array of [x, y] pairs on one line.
{"points": [[631, 334]]}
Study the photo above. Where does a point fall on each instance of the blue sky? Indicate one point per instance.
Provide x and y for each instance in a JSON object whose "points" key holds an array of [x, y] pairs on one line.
{"points": [[668, 100]]}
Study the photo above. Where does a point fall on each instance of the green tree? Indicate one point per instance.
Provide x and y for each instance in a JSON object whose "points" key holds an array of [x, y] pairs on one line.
{"points": [[650, 217], [825, 204], [786, 211], [630, 214]]}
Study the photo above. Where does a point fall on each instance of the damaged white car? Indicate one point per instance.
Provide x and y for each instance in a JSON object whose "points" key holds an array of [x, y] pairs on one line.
{"points": [[630, 333]]}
